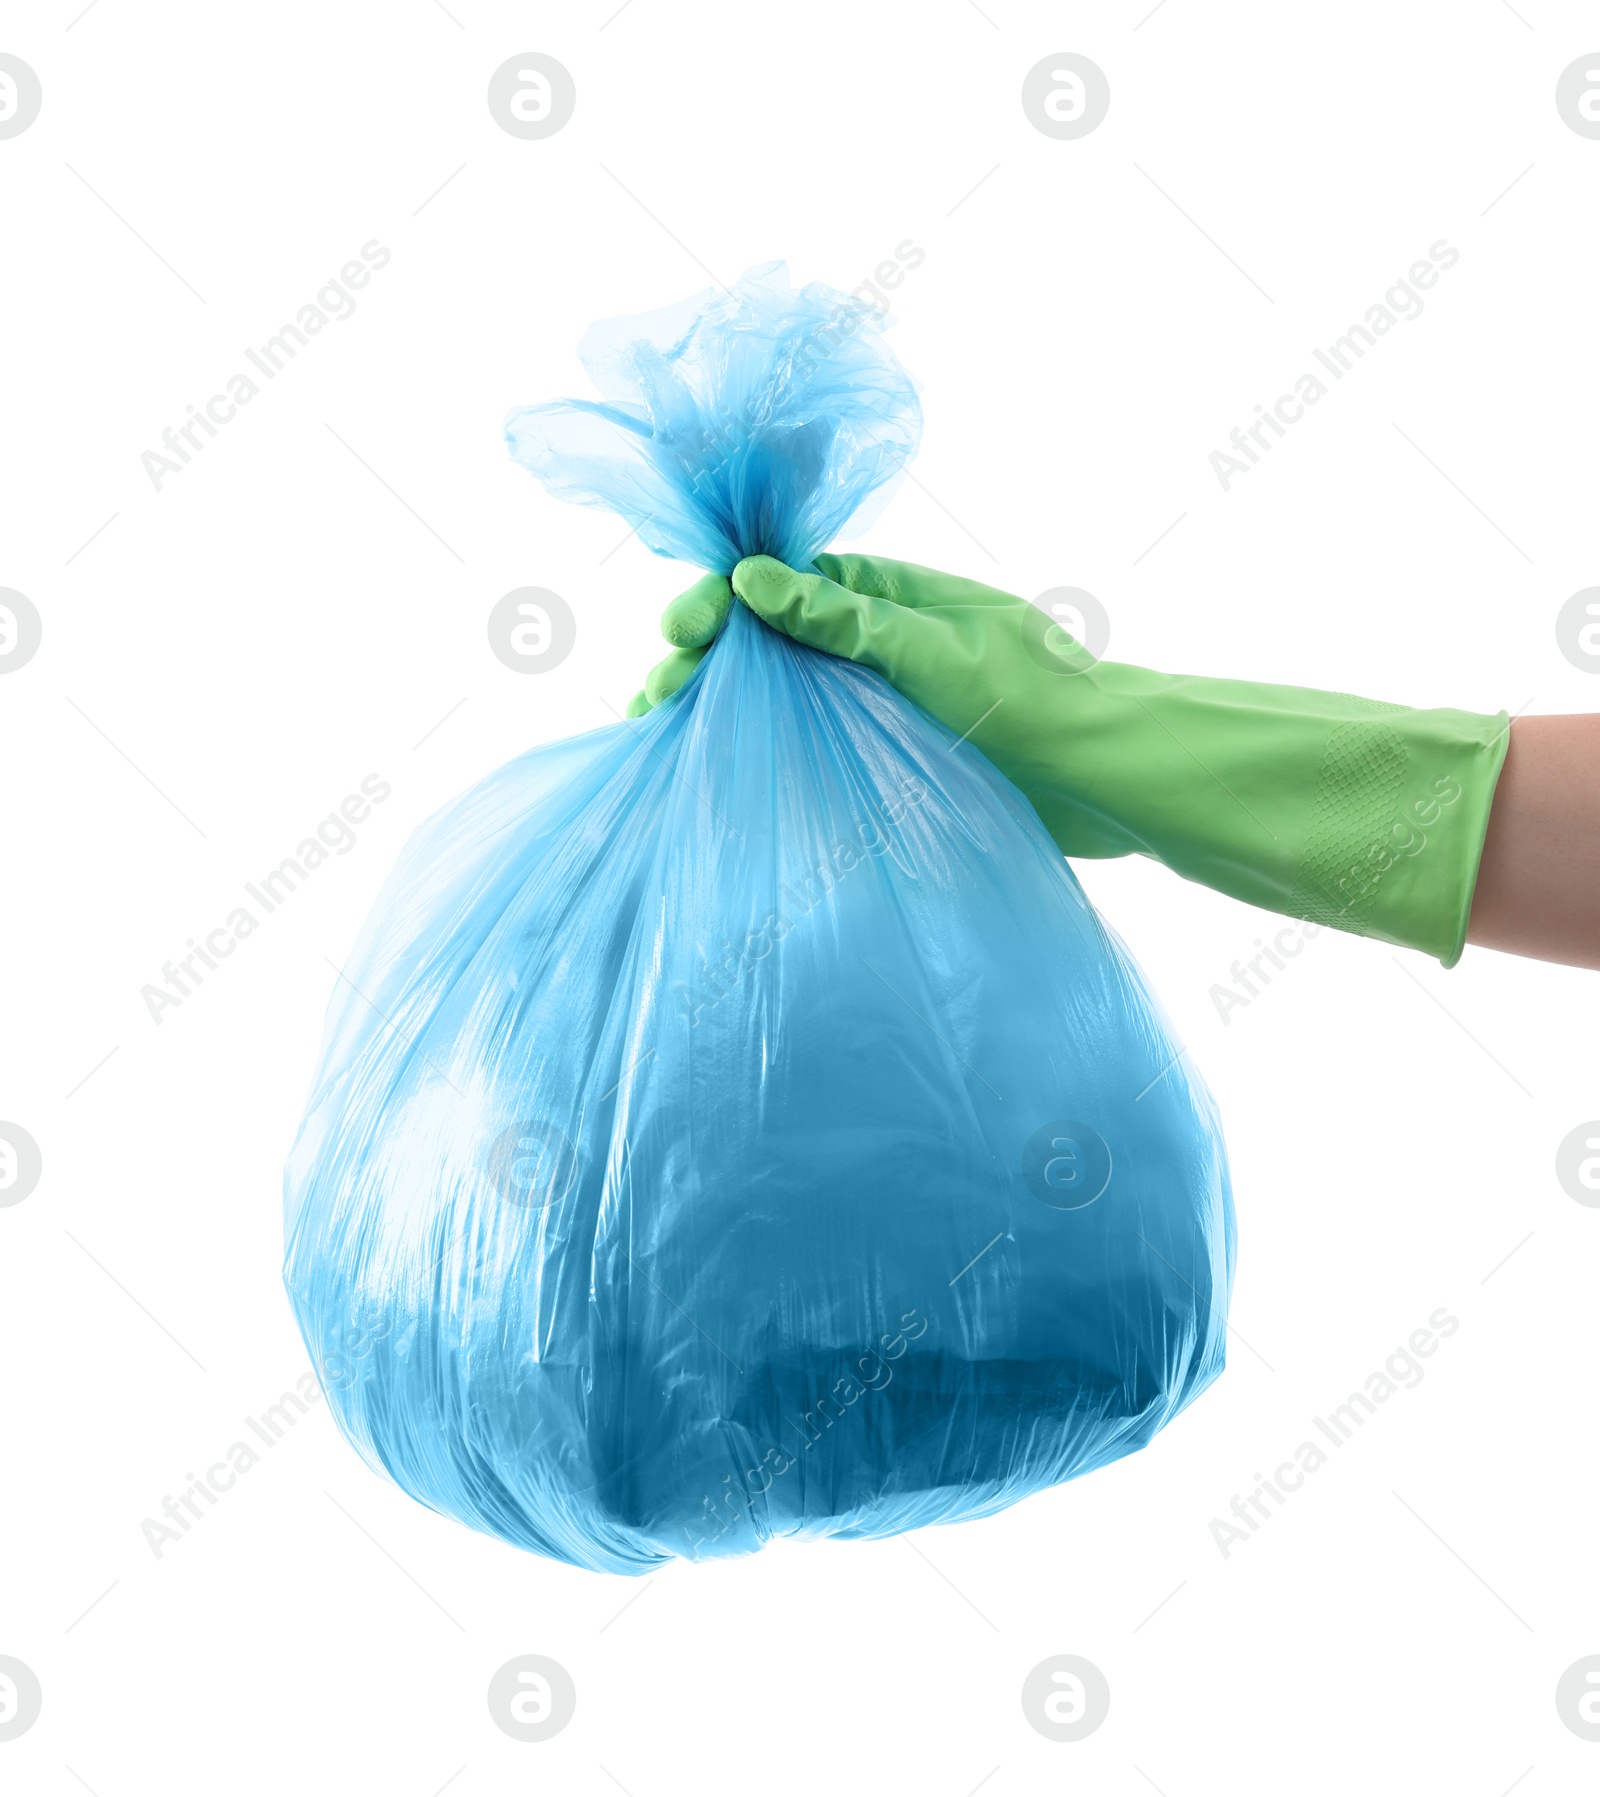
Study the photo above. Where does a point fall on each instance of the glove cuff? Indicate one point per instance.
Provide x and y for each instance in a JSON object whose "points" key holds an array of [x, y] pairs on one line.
{"points": [[1397, 827]]}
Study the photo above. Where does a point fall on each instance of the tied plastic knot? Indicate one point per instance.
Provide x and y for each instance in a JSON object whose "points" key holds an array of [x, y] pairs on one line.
{"points": [[755, 422]]}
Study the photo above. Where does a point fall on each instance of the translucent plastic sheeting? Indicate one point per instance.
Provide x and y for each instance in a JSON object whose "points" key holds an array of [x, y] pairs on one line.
{"points": [[759, 422], [737, 1122]]}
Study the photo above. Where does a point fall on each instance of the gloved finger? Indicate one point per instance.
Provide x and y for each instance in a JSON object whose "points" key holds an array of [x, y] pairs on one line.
{"points": [[638, 705], [695, 617], [667, 676], [814, 610], [906, 583]]}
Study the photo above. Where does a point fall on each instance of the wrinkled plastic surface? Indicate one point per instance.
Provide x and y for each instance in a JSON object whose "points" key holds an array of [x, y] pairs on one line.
{"points": [[755, 422], [737, 1123]]}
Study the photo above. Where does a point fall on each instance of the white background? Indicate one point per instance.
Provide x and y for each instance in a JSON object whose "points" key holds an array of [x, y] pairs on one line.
{"points": [[229, 656]]}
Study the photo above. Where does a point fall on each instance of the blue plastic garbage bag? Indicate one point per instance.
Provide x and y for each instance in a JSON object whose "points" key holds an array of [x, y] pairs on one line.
{"points": [[737, 1123]]}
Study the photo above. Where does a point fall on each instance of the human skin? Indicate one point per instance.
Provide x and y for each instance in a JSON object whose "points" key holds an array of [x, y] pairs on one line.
{"points": [[1538, 891]]}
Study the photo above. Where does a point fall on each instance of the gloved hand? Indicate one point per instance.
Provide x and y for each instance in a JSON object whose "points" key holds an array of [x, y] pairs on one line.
{"points": [[1363, 816], [690, 622]]}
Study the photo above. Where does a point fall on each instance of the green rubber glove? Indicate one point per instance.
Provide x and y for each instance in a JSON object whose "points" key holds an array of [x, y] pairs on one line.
{"points": [[1362, 816], [690, 623]]}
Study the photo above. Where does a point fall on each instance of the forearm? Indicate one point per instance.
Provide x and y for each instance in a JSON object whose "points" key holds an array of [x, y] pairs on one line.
{"points": [[1538, 891]]}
